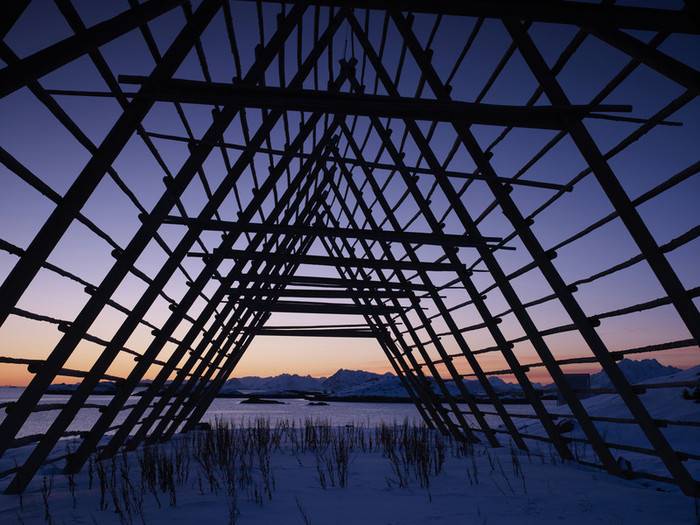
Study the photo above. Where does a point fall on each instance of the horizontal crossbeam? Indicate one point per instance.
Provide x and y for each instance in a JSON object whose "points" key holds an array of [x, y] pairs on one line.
{"points": [[326, 260], [345, 233], [329, 326], [354, 162], [219, 93], [566, 12], [330, 282], [319, 293], [314, 333], [320, 308]]}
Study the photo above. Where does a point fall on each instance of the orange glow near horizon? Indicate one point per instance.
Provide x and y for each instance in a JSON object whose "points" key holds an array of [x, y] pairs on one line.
{"points": [[270, 356], [318, 357]]}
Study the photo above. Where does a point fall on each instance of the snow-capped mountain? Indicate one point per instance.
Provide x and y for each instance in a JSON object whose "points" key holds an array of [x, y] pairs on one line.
{"points": [[101, 388], [346, 383], [387, 385], [344, 380], [361, 383], [280, 383], [635, 371]]}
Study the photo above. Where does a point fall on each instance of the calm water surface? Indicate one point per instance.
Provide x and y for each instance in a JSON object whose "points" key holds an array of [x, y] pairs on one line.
{"points": [[232, 410]]}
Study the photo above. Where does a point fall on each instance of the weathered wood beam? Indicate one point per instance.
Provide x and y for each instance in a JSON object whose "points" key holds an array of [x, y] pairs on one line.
{"points": [[563, 12], [348, 233], [314, 333], [354, 162], [324, 260], [319, 293], [285, 99], [321, 308], [330, 282]]}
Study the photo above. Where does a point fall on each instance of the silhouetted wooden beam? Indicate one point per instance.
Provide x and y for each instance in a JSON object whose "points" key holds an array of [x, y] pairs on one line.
{"points": [[50, 58], [328, 326], [12, 11], [668, 66], [34, 365], [563, 12], [320, 308], [350, 161], [325, 260], [330, 282], [346, 233], [213, 93], [319, 293], [314, 333]]}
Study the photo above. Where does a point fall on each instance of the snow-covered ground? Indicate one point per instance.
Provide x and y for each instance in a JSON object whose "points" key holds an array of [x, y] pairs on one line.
{"points": [[285, 486], [662, 403]]}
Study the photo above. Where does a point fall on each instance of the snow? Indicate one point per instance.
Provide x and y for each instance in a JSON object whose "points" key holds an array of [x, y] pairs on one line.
{"points": [[344, 380], [546, 491], [635, 371], [387, 386], [483, 487], [661, 403]]}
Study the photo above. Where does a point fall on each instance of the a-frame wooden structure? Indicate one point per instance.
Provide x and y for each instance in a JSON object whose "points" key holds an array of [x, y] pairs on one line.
{"points": [[347, 127]]}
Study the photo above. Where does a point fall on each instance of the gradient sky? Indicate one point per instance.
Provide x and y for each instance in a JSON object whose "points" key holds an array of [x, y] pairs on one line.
{"points": [[34, 137]]}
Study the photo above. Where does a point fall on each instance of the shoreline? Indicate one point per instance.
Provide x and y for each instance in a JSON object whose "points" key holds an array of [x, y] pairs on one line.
{"points": [[316, 396], [312, 396]]}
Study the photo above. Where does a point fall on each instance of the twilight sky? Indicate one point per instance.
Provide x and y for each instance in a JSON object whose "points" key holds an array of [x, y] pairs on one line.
{"points": [[35, 138]]}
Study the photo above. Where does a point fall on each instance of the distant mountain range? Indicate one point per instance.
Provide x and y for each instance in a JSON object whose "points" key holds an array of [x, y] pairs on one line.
{"points": [[280, 383], [343, 380], [360, 383], [635, 371], [347, 383]]}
